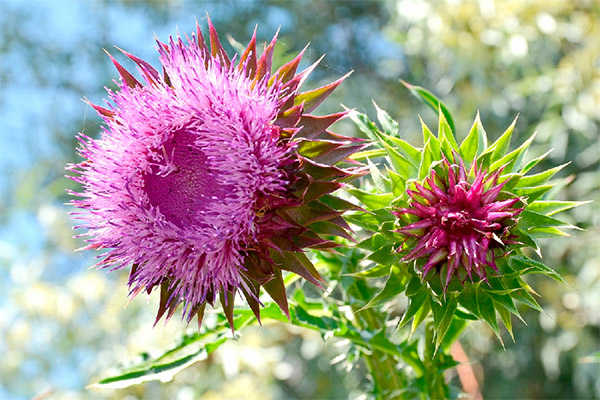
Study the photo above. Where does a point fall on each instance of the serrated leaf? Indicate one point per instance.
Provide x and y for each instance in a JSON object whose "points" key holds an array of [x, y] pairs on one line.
{"points": [[532, 193], [547, 232], [442, 318], [429, 156], [468, 299], [157, 371], [400, 163], [445, 132], [378, 178], [377, 271], [373, 243], [536, 267], [398, 183], [373, 201], [421, 315], [392, 288], [365, 125], [524, 297], [487, 311], [416, 302], [411, 153], [370, 221], [506, 318], [387, 123], [385, 255]]}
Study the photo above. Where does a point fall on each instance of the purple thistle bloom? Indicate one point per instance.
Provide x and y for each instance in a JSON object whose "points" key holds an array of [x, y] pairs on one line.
{"points": [[462, 220], [200, 182]]}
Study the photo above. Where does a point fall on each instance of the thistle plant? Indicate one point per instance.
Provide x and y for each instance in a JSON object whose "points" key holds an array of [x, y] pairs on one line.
{"points": [[212, 179], [455, 227]]}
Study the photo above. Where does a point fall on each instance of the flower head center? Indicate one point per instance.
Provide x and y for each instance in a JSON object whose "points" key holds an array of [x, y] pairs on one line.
{"points": [[183, 184], [455, 220]]}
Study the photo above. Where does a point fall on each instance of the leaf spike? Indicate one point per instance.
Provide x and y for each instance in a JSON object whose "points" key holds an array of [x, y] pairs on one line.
{"points": [[215, 44], [148, 70], [248, 58], [125, 75]]}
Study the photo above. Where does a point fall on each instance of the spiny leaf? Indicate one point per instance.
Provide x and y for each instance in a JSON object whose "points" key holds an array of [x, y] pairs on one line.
{"points": [[513, 160], [531, 219], [373, 201], [377, 271], [276, 289], [534, 162], [446, 132], [541, 178], [537, 266], [386, 255], [551, 207], [387, 123], [506, 318], [488, 312], [475, 142], [501, 145], [393, 287], [416, 302]]}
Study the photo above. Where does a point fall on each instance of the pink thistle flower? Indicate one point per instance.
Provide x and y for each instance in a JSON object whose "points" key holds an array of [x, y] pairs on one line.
{"points": [[463, 221], [212, 177]]}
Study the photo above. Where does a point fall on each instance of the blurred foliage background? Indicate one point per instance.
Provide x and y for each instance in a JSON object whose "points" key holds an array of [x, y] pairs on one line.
{"points": [[62, 326]]}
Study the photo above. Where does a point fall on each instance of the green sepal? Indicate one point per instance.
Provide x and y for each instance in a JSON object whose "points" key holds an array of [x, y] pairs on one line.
{"points": [[446, 134], [398, 183], [276, 289], [371, 220], [532, 193], [505, 317], [546, 232]]}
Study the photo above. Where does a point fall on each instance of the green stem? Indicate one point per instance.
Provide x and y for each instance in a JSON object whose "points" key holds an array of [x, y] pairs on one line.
{"points": [[434, 373], [387, 378]]}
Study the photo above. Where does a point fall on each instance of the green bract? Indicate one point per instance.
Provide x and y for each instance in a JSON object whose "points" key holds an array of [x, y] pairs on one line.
{"points": [[433, 264]]}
